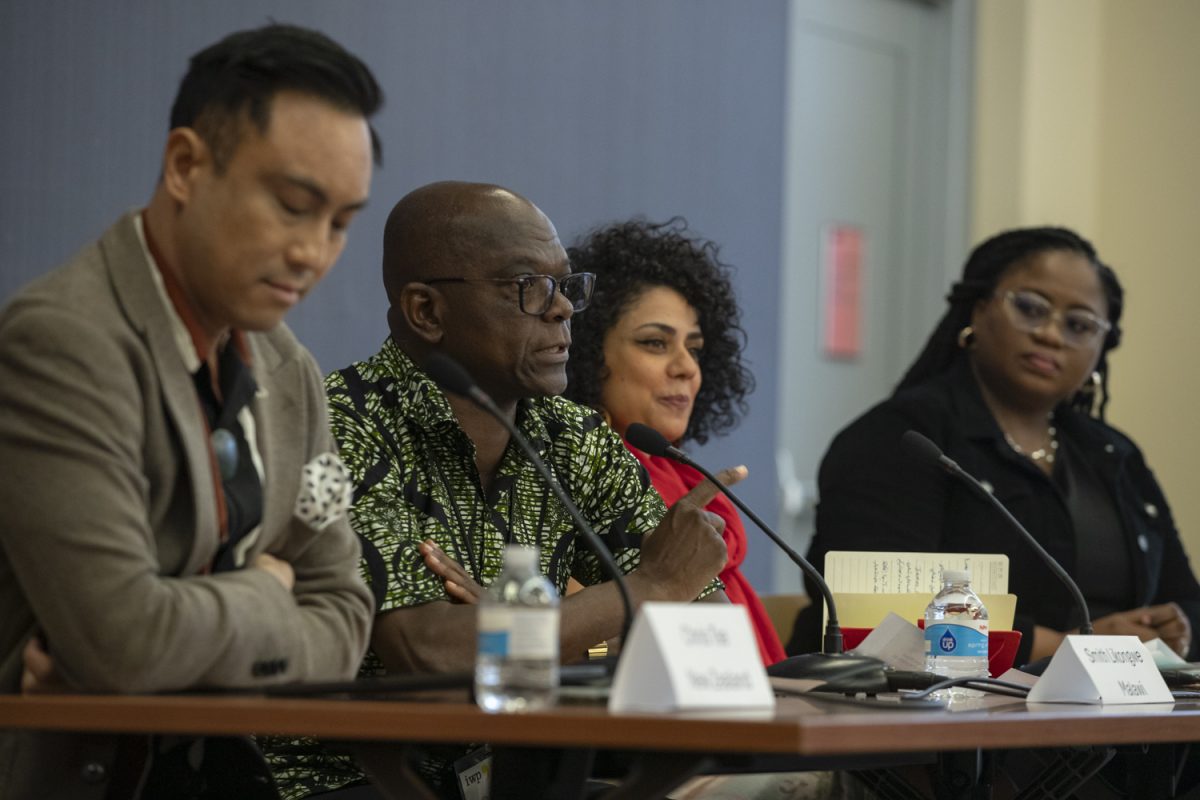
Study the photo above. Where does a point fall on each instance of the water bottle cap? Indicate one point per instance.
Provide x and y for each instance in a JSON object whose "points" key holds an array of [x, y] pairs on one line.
{"points": [[520, 556], [956, 576]]}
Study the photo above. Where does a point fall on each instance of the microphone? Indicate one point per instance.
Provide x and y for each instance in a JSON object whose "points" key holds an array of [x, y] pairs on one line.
{"points": [[451, 376], [645, 438], [920, 448], [832, 664]]}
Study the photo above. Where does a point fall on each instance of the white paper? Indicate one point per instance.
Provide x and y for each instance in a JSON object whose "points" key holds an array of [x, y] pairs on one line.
{"points": [[897, 642], [1164, 657]]}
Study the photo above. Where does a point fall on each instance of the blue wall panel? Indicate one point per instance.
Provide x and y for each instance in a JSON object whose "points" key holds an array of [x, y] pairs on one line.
{"points": [[594, 110]]}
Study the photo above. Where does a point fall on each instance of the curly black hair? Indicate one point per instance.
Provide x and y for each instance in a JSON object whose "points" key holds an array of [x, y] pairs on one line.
{"points": [[630, 257], [985, 266]]}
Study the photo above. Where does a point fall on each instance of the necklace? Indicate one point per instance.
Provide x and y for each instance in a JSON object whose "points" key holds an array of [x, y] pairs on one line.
{"points": [[1042, 453]]}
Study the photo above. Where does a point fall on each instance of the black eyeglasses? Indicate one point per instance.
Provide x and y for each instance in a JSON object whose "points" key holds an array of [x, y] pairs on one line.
{"points": [[535, 293]]}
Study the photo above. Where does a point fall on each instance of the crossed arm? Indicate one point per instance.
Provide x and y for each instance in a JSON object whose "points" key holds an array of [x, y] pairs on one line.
{"points": [[97, 540], [679, 558]]}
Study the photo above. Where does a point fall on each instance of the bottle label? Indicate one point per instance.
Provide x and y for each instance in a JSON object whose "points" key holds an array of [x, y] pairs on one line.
{"points": [[511, 632], [952, 639], [493, 643]]}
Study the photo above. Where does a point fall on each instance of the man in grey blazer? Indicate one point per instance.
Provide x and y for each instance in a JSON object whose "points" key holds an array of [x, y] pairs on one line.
{"points": [[171, 500]]}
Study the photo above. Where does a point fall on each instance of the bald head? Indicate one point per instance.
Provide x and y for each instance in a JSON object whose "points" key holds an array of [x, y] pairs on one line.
{"points": [[447, 229]]}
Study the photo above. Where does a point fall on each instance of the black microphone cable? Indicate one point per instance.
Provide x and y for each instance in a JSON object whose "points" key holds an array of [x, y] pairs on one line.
{"points": [[993, 685], [451, 376]]}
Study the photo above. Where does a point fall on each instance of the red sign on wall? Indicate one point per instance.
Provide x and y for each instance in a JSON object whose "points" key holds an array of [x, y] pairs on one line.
{"points": [[841, 302]]}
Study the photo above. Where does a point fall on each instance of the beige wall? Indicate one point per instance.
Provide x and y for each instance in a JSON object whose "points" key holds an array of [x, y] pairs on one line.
{"points": [[1088, 115]]}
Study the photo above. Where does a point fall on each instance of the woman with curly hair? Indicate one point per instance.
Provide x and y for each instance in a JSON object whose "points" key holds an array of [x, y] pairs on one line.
{"points": [[661, 344]]}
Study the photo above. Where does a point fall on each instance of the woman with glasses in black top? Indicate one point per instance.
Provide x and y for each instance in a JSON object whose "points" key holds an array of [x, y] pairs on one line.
{"points": [[1012, 385]]}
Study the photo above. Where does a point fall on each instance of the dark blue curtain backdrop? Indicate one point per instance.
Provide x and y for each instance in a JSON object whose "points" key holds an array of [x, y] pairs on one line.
{"points": [[594, 110]]}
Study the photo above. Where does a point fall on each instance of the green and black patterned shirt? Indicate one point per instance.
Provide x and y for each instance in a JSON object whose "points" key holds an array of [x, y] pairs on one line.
{"points": [[415, 479], [415, 476]]}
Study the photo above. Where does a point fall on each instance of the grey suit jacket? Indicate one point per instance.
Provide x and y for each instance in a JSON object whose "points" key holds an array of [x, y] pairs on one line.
{"points": [[108, 513]]}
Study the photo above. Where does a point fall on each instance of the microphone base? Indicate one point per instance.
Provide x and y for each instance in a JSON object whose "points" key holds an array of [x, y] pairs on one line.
{"points": [[849, 674]]}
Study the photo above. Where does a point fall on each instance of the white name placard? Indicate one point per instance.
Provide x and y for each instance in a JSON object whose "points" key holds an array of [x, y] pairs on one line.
{"points": [[1109, 670], [687, 656]]}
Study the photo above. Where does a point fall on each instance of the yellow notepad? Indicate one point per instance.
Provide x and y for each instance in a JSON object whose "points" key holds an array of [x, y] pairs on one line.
{"points": [[868, 585]]}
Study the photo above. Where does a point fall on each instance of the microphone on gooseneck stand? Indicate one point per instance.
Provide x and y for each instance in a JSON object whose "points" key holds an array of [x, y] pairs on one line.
{"points": [[924, 450], [451, 376], [842, 672]]}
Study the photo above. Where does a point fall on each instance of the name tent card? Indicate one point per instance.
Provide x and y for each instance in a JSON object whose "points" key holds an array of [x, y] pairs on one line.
{"points": [[1109, 670], [690, 656]]}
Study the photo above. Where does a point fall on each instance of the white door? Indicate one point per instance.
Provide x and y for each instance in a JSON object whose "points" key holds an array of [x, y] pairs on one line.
{"points": [[877, 143]]}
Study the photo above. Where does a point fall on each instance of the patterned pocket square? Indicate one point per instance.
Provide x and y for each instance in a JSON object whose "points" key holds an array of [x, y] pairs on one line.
{"points": [[325, 491]]}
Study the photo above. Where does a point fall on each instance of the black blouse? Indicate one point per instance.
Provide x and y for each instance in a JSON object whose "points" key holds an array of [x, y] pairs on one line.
{"points": [[1102, 557], [873, 496]]}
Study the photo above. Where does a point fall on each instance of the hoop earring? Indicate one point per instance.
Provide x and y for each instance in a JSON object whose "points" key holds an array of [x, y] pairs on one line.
{"points": [[966, 337]]}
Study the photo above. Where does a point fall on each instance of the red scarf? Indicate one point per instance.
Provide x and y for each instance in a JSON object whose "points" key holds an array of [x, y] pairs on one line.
{"points": [[673, 481]]}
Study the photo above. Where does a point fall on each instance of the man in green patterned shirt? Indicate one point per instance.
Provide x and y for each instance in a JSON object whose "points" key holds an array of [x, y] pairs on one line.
{"points": [[477, 272]]}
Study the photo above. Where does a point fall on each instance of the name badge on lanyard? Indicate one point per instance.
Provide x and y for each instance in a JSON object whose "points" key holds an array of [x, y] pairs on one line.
{"points": [[474, 772]]}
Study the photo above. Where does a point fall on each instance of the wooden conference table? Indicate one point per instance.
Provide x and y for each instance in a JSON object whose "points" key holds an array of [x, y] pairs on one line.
{"points": [[801, 729]]}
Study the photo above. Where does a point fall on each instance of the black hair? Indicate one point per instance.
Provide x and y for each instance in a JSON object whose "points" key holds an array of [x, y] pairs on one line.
{"points": [[631, 257], [987, 263], [243, 72]]}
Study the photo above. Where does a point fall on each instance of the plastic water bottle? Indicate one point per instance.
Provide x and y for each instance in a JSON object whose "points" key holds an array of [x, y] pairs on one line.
{"points": [[956, 631], [516, 664]]}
